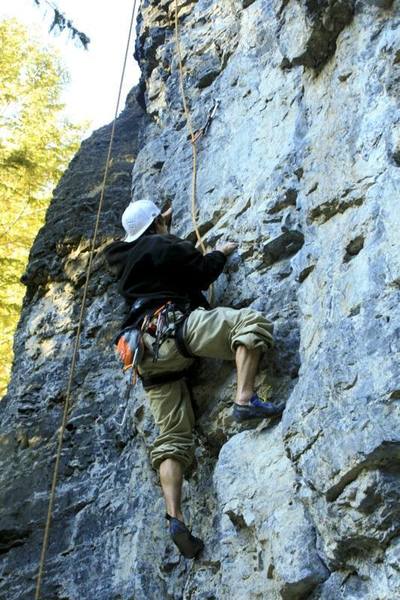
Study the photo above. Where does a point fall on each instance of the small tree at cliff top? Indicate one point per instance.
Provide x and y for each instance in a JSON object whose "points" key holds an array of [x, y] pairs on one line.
{"points": [[36, 144]]}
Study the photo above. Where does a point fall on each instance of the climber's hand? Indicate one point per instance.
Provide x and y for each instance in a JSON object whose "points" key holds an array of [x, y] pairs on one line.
{"points": [[227, 247]]}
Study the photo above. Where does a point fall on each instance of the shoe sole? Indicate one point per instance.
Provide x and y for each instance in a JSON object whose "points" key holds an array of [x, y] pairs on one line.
{"points": [[261, 418]]}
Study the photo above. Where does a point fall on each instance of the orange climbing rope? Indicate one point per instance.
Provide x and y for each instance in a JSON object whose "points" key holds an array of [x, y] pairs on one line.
{"points": [[80, 322], [193, 137]]}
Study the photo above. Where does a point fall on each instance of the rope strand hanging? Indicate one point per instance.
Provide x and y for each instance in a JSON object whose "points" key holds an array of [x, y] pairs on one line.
{"points": [[193, 137], [80, 322]]}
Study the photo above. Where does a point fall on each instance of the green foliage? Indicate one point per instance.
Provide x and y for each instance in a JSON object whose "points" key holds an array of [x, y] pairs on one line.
{"points": [[36, 144]]}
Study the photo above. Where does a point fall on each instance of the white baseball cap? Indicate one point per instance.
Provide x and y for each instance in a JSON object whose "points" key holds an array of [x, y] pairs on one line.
{"points": [[137, 217]]}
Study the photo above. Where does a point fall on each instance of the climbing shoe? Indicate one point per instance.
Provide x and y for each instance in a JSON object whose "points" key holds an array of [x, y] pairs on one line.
{"points": [[188, 545], [257, 409]]}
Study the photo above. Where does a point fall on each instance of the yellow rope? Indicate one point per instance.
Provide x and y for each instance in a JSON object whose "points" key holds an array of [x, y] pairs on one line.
{"points": [[193, 138], [80, 322]]}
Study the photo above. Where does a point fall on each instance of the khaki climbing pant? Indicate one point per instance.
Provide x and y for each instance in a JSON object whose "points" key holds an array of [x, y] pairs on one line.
{"points": [[209, 334]]}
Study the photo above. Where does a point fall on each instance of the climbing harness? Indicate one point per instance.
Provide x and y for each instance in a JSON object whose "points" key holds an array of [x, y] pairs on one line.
{"points": [[164, 322], [180, 340], [129, 342], [167, 321], [80, 322], [151, 381]]}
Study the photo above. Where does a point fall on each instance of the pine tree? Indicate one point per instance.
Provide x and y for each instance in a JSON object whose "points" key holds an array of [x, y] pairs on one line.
{"points": [[36, 144]]}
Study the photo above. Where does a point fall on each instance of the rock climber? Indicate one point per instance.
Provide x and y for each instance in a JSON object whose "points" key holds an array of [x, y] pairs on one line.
{"points": [[162, 277]]}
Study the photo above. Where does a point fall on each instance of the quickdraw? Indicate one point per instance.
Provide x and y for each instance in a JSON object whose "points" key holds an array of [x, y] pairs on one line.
{"points": [[167, 321], [203, 130]]}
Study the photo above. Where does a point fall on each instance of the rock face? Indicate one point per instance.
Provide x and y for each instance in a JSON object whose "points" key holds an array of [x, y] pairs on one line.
{"points": [[300, 165]]}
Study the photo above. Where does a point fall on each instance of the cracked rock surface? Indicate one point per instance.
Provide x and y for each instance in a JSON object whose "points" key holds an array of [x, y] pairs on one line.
{"points": [[300, 165]]}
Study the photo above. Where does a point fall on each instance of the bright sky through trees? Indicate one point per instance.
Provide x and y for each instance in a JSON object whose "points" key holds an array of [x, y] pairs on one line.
{"points": [[95, 73]]}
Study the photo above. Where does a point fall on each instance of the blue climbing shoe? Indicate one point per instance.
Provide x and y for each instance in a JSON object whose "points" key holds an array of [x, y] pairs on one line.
{"points": [[188, 545], [257, 409]]}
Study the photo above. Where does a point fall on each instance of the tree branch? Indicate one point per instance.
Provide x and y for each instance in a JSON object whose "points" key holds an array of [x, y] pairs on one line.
{"points": [[61, 23]]}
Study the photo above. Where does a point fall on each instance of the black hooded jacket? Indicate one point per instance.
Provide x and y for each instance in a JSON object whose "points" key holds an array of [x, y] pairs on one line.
{"points": [[163, 267]]}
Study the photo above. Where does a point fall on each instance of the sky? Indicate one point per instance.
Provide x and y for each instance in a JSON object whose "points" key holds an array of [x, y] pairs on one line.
{"points": [[95, 73]]}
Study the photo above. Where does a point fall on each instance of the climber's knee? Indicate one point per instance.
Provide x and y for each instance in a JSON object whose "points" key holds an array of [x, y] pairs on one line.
{"points": [[252, 330], [184, 456], [215, 333]]}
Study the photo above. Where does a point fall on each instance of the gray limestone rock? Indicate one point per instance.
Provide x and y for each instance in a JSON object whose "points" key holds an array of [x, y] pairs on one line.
{"points": [[300, 165]]}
